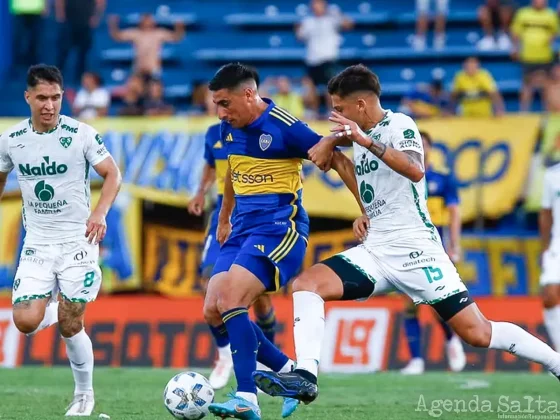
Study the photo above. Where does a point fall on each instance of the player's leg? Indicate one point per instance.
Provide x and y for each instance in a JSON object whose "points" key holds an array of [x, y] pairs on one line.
{"points": [[353, 274], [79, 279], [456, 357], [414, 338], [550, 283], [266, 316], [223, 368], [34, 291]]}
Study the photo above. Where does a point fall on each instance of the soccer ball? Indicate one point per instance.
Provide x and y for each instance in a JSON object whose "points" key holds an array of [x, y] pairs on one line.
{"points": [[188, 395]]}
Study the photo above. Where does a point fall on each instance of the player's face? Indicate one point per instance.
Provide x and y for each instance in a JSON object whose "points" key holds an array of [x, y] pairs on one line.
{"points": [[234, 106], [45, 101], [350, 107]]}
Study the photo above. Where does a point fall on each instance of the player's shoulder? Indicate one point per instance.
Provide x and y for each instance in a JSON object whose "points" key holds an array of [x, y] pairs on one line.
{"points": [[213, 132], [16, 130], [398, 120], [281, 117]]}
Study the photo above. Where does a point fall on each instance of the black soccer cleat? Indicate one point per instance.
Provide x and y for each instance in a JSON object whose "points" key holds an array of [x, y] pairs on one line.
{"points": [[288, 385]]}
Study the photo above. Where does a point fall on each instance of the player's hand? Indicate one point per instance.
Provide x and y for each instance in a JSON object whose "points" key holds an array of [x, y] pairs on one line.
{"points": [[196, 205], [349, 129], [223, 231], [360, 227], [321, 154], [96, 228]]}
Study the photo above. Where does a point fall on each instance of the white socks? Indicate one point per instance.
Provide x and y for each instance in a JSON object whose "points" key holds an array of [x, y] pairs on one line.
{"points": [[80, 354], [514, 339], [287, 367], [552, 323], [249, 396], [50, 318], [309, 329], [224, 353]]}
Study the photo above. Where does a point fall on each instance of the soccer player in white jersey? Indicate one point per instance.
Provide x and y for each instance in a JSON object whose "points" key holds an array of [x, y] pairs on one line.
{"points": [[51, 155], [401, 249], [549, 225]]}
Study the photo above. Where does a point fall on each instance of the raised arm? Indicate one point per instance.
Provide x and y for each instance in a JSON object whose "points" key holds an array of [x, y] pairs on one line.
{"points": [[408, 163]]}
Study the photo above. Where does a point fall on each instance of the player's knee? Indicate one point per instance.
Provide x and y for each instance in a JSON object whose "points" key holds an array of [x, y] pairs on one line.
{"points": [[304, 283], [26, 323], [478, 335], [69, 327]]}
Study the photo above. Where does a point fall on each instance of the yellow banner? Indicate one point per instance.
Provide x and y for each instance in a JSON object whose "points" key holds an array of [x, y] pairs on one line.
{"points": [[161, 161]]}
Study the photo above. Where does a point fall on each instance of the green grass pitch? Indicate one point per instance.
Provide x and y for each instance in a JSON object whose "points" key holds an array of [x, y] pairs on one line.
{"points": [[136, 394]]}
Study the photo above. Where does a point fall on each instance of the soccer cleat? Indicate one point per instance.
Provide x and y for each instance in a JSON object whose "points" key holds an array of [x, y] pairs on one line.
{"points": [[237, 407], [288, 385], [222, 371], [455, 354], [289, 406], [82, 405], [414, 367]]}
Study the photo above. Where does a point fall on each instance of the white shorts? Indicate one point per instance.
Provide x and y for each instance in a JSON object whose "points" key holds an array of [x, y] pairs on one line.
{"points": [[72, 268], [423, 6], [550, 267], [419, 268]]}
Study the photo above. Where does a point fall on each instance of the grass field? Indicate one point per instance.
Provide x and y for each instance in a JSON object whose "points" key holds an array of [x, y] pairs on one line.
{"points": [[42, 393]]}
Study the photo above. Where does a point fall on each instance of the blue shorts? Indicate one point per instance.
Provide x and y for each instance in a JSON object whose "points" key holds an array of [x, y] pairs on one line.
{"points": [[210, 251], [273, 258]]}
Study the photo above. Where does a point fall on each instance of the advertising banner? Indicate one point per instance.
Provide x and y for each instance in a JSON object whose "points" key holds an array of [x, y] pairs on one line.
{"points": [[360, 336]]}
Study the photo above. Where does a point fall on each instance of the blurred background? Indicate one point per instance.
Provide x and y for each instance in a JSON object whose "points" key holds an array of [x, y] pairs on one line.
{"points": [[476, 74]]}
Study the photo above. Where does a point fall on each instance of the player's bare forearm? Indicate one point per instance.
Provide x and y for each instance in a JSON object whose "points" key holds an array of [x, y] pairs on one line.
{"points": [[455, 227], [228, 200], [345, 168], [407, 163], [112, 180], [3, 180], [545, 227], [208, 179]]}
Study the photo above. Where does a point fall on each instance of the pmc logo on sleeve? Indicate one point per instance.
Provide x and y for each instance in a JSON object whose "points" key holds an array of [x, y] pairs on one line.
{"points": [[355, 339]]}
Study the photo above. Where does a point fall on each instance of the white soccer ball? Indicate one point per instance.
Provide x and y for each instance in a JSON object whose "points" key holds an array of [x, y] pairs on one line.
{"points": [[188, 395]]}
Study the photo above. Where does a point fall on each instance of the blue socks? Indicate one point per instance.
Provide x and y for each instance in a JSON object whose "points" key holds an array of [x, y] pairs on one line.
{"points": [[267, 324], [268, 354], [414, 335], [220, 335], [244, 347]]}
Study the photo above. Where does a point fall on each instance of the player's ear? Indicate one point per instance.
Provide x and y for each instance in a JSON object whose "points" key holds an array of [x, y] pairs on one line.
{"points": [[26, 96], [362, 105]]}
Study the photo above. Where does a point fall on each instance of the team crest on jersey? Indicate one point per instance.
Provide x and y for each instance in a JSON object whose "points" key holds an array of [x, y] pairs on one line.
{"points": [[65, 142], [265, 140]]}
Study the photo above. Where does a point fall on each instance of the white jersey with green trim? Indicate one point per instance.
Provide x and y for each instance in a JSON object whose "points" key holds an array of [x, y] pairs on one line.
{"points": [[53, 174], [395, 205]]}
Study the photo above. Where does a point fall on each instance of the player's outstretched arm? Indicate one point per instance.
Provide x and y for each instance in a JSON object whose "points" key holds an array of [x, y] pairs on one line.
{"points": [[345, 168], [196, 205], [96, 225], [408, 163]]}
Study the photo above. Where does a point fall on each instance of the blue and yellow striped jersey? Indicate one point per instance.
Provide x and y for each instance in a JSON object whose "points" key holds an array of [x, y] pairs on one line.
{"points": [[442, 193], [266, 159], [215, 155]]}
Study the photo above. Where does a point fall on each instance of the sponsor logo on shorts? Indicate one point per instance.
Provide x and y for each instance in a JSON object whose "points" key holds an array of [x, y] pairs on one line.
{"points": [[415, 254], [420, 261], [16, 284], [80, 255], [29, 251], [32, 260]]}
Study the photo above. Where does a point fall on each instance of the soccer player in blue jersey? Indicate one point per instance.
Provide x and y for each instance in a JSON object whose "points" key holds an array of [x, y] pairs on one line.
{"points": [[214, 171], [265, 246], [443, 206]]}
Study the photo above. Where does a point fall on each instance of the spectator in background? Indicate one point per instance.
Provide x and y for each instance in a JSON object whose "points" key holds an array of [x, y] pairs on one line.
{"points": [[148, 40], [422, 22], [424, 102], [320, 33], [155, 103], [552, 92], [133, 96], [92, 100], [78, 19], [27, 27], [280, 91], [534, 30], [475, 90], [495, 15]]}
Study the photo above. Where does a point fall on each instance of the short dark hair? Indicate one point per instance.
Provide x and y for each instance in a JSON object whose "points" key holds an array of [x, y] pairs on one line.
{"points": [[231, 75], [424, 135], [43, 73], [354, 79]]}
